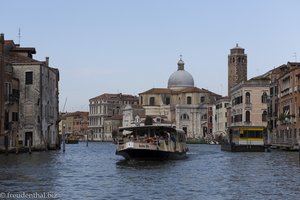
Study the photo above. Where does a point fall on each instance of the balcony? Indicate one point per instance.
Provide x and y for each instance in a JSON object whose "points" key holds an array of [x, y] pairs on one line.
{"points": [[285, 92]]}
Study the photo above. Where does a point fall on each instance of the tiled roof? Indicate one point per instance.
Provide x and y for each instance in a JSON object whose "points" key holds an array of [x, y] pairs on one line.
{"points": [[12, 53], [120, 97], [115, 117], [158, 91], [16, 58], [24, 49]]}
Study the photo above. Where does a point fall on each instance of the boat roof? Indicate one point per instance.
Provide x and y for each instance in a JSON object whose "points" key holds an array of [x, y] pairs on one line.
{"points": [[132, 128]]}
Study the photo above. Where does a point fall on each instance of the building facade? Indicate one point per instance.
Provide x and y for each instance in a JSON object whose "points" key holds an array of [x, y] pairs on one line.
{"points": [[184, 105], [34, 87], [248, 116], [103, 107], [75, 124], [220, 117], [287, 134]]}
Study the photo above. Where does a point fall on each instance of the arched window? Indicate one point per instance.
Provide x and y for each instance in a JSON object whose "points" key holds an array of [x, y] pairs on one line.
{"points": [[264, 98], [247, 116], [248, 98], [264, 116], [184, 117]]}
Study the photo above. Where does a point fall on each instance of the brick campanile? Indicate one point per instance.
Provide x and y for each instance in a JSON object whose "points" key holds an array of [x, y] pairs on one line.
{"points": [[237, 67]]}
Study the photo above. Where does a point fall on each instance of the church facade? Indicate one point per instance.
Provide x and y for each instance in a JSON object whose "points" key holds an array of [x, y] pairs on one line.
{"points": [[187, 107]]}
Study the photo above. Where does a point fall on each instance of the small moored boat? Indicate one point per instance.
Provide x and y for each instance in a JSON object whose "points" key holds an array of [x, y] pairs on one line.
{"points": [[151, 142]]}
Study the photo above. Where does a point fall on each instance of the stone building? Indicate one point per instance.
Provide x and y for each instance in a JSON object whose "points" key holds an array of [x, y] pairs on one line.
{"points": [[103, 107], [287, 134], [248, 110], [34, 87], [283, 106], [74, 123], [132, 115], [220, 117], [9, 100], [237, 67], [184, 105]]}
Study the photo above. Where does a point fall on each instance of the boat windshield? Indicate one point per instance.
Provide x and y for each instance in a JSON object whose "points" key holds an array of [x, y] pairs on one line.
{"points": [[153, 132]]}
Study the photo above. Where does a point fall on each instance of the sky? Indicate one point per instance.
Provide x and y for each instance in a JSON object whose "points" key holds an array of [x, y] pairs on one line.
{"points": [[131, 46]]}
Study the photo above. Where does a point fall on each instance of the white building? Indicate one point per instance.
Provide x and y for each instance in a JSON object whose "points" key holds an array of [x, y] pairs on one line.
{"points": [[220, 117], [184, 105], [104, 107]]}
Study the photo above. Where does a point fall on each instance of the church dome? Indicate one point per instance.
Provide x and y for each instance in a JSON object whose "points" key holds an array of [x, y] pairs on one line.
{"points": [[180, 78]]}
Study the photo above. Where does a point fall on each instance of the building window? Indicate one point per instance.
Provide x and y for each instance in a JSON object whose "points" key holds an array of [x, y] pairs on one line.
{"points": [[8, 91], [271, 91], [265, 116], [152, 101], [28, 78], [202, 99], [248, 98], [141, 100], [247, 116], [15, 116], [184, 117], [167, 100], [189, 100], [264, 98]]}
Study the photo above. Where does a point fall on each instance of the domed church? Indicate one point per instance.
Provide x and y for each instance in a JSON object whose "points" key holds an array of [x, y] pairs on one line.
{"points": [[184, 105]]}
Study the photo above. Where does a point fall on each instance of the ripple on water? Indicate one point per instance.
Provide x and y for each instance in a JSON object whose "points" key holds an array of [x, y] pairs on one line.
{"points": [[95, 172]]}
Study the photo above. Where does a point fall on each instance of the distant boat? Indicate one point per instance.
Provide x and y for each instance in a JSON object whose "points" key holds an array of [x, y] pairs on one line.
{"points": [[72, 140], [154, 142], [245, 139]]}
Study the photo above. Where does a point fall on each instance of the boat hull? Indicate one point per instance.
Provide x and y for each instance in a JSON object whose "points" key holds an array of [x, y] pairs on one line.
{"points": [[144, 154], [242, 148], [72, 141]]}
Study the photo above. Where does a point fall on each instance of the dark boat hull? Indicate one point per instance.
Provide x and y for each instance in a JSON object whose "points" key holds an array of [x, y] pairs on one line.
{"points": [[72, 141], [242, 148], [144, 154]]}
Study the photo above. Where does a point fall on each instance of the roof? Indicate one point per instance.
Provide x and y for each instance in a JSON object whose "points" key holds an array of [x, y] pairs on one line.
{"points": [[185, 90], [119, 96], [158, 91]]}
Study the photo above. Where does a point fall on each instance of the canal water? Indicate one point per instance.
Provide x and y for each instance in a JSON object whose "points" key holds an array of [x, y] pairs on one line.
{"points": [[95, 172]]}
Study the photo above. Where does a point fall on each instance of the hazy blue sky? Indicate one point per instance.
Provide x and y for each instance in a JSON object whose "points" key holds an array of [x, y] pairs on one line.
{"points": [[131, 46]]}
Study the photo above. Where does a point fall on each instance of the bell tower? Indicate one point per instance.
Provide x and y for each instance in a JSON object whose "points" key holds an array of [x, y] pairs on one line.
{"points": [[237, 66]]}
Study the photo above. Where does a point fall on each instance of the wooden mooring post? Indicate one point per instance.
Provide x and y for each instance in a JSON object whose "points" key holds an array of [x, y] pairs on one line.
{"points": [[29, 146], [64, 142], [87, 140]]}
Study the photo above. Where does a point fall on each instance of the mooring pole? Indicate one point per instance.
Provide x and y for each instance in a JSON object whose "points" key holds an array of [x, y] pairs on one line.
{"points": [[64, 142], [87, 140], [6, 143], [17, 144], [29, 143]]}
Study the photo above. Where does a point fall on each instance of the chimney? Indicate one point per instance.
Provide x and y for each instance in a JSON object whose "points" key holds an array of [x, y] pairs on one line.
{"points": [[47, 61]]}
